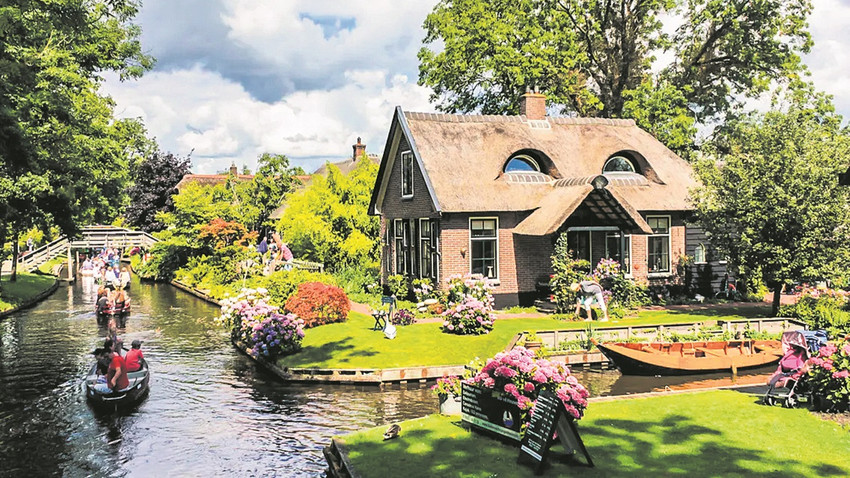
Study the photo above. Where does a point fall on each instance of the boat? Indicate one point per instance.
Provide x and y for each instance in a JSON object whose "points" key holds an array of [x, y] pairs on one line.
{"points": [[685, 358], [110, 309], [139, 386]]}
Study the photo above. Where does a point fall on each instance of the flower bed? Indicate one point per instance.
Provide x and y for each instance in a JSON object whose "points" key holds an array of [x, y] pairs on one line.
{"points": [[470, 317], [252, 321], [830, 376], [519, 374]]}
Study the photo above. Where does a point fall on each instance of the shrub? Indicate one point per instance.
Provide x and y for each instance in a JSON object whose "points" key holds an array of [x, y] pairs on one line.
{"points": [[319, 304], [283, 284], [403, 317], [567, 269], [447, 386], [356, 279], [519, 374], [830, 376], [398, 286], [259, 325], [166, 258], [824, 311], [423, 289], [470, 317], [459, 288]]}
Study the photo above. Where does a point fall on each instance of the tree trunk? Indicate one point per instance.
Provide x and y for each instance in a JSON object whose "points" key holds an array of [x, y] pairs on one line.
{"points": [[777, 295], [13, 276]]}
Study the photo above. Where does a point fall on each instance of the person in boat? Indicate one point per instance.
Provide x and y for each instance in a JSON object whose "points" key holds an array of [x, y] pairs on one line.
{"points": [[124, 278], [116, 374], [587, 292], [87, 265], [135, 357], [102, 361], [111, 278], [102, 300], [119, 300]]}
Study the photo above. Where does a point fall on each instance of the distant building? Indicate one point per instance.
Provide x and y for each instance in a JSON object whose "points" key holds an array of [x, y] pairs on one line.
{"points": [[212, 179]]}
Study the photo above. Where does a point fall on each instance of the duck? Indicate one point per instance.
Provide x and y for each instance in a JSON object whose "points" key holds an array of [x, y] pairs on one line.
{"points": [[392, 432]]}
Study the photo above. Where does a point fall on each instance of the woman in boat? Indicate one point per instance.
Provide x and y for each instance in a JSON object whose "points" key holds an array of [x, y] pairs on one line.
{"points": [[124, 278]]}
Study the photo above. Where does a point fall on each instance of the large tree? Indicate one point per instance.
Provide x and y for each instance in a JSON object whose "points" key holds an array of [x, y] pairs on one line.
{"points": [[63, 157], [154, 181], [259, 197], [594, 57], [770, 198]]}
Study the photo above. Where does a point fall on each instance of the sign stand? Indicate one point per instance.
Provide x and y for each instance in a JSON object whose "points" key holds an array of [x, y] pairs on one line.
{"points": [[549, 415]]}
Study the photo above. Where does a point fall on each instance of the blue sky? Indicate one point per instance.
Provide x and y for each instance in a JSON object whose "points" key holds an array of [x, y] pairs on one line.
{"points": [[236, 78]]}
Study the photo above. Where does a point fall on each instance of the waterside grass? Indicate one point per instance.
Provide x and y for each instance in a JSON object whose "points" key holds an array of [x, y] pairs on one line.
{"points": [[717, 433], [353, 344], [26, 288]]}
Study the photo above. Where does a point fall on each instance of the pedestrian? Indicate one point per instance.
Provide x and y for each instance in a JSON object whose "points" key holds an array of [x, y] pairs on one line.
{"points": [[587, 292]]}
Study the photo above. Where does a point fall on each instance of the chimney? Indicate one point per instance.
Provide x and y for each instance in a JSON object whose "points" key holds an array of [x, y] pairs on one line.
{"points": [[359, 150], [233, 169], [533, 105]]}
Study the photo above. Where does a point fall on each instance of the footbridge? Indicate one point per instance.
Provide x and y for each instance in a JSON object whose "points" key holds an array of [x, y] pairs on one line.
{"points": [[89, 237]]}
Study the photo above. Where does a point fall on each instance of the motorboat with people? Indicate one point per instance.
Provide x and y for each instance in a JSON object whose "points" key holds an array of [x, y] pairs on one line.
{"points": [[128, 396], [685, 358]]}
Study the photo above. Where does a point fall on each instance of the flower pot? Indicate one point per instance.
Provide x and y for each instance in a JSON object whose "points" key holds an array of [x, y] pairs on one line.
{"points": [[450, 404], [533, 346]]}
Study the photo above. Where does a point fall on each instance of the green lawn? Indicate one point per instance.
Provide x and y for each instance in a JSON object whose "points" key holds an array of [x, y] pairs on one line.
{"points": [[720, 433], [47, 267], [25, 288], [354, 344]]}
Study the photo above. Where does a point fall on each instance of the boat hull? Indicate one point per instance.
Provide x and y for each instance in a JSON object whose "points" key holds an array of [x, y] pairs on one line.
{"points": [[689, 358], [138, 389]]}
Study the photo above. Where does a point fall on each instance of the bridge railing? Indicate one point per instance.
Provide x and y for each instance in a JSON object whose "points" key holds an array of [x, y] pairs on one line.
{"points": [[40, 255], [90, 237]]}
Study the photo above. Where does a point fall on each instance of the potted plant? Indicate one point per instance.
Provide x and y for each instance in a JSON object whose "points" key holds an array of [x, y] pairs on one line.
{"points": [[448, 390], [532, 342]]}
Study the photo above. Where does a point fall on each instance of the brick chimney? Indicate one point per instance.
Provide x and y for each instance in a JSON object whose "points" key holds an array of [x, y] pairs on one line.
{"points": [[533, 105], [359, 150], [233, 169]]}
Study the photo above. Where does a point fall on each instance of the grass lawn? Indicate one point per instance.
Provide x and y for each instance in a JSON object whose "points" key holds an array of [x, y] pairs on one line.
{"points": [[354, 344], [47, 267], [25, 288], [719, 433]]}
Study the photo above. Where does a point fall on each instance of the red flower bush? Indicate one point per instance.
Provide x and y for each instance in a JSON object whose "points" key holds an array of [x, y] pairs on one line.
{"points": [[319, 304]]}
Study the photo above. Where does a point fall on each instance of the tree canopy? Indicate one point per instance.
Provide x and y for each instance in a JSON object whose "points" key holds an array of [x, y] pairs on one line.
{"points": [[773, 204], [154, 181], [596, 57]]}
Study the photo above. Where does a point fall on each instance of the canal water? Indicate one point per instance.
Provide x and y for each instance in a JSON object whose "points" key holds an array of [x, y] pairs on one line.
{"points": [[210, 412]]}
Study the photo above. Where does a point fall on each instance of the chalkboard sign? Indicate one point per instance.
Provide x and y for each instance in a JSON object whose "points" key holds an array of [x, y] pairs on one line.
{"points": [[495, 414], [549, 416]]}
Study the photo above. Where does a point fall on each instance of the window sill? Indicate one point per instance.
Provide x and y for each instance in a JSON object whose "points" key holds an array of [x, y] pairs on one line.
{"points": [[659, 275], [407, 198], [494, 282], [700, 263]]}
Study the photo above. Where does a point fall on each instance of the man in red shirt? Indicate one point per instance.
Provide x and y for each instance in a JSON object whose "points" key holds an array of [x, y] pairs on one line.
{"points": [[134, 357], [116, 376]]}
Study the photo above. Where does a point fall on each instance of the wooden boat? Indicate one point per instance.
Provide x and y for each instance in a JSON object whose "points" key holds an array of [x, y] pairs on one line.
{"points": [[139, 386], [110, 309], [684, 358]]}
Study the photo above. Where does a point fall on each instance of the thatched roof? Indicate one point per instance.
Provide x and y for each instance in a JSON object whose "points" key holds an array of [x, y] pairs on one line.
{"points": [[464, 157]]}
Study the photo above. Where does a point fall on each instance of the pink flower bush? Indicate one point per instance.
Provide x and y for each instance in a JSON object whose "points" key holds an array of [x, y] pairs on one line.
{"points": [[830, 374], [447, 386], [252, 321], [470, 317], [521, 375], [459, 287]]}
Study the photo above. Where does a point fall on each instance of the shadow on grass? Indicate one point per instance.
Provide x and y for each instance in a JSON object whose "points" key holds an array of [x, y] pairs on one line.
{"points": [[676, 445], [336, 352], [747, 311]]}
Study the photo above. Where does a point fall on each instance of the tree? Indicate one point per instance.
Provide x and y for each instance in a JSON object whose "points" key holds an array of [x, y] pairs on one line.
{"points": [[63, 157], [264, 193], [328, 221], [593, 57], [154, 181], [774, 206]]}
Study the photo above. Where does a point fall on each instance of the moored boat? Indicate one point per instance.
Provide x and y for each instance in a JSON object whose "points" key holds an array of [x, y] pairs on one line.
{"points": [[684, 358], [139, 386]]}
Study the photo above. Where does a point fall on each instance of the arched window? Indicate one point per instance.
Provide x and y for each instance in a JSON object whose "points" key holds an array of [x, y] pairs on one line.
{"points": [[522, 163], [618, 164], [699, 254]]}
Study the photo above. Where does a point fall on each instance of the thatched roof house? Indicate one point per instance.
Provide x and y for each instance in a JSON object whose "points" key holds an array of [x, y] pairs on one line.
{"points": [[491, 194]]}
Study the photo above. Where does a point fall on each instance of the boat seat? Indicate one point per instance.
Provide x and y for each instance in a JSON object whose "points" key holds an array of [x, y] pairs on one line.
{"points": [[712, 352], [649, 349]]}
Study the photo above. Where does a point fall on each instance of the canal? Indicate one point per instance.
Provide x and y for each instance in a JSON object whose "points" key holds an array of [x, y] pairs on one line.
{"points": [[210, 411]]}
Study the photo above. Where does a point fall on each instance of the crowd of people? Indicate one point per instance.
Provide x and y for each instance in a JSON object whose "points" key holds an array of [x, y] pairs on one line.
{"points": [[104, 267], [113, 366]]}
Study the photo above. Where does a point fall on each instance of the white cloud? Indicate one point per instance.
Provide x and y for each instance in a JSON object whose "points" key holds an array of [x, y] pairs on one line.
{"points": [[829, 60]]}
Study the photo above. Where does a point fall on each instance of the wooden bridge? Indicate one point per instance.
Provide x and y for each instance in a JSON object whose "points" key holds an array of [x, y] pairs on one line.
{"points": [[90, 237]]}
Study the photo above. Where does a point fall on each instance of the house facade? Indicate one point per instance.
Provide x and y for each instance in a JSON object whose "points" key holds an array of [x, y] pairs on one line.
{"points": [[490, 195]]}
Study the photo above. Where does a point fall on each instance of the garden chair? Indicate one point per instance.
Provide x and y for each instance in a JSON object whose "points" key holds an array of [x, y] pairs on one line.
{"points": [[383, 315]]}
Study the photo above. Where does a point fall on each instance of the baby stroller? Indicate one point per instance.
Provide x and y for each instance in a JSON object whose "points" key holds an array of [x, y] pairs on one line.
{"points": [[788, 384]]}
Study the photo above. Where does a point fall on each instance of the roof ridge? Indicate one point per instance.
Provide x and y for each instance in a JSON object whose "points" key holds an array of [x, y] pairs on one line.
{"points": [[479, 118]]}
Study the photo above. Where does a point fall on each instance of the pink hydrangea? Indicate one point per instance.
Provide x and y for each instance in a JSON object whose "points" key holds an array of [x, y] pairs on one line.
{"points": [[841, 374]]}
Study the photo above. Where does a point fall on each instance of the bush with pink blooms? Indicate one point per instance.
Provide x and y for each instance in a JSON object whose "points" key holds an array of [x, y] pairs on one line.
{"points": [[469, 317], [459, 287], [519, 374], [829, 372], [260, 326]]}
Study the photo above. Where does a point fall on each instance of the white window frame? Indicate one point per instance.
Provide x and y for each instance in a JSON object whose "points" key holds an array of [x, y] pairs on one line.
{"points": [[627, 237], [404, 172], [669, 234], [469, 229], [704, 254]]}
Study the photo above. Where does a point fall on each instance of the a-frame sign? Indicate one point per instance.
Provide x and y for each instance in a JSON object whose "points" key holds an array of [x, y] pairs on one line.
{"points": [[549, 415]]}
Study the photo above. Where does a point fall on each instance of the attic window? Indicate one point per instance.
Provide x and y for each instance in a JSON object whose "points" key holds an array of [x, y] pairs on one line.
{"points": [[618, 164], [522, 163]]}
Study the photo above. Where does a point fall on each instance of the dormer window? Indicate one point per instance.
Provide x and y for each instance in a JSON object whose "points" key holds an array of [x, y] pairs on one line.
{"points": [[618, 164], [522, 163]]}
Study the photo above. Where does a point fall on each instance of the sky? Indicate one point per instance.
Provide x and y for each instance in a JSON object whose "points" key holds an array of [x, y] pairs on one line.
{"points": [[237, 78]]}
